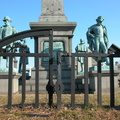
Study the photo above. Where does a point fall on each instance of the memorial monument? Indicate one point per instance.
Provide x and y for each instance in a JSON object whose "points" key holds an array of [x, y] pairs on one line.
{"points": [[53, 17], [5, 31]]}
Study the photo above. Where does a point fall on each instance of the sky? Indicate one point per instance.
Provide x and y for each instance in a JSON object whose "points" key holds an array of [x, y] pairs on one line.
{"points": [[83, 12]]}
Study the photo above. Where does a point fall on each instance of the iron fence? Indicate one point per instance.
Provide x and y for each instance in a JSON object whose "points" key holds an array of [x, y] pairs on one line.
{"points": [[30, 33], [99, 77], [59, 87]]}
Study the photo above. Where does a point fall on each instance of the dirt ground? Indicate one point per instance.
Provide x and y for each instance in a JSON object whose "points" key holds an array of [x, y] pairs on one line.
{"points": [[44, 112]]}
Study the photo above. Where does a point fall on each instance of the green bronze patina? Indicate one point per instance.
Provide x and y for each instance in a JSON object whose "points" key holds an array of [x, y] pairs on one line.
{"points": [[81, 48], [26, 50], [5, 31], [97, 38]]}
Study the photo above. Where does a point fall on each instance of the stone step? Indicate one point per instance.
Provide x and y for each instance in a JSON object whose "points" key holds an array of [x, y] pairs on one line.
{"points": [[30, 86], [45, 81], [44, 73]]}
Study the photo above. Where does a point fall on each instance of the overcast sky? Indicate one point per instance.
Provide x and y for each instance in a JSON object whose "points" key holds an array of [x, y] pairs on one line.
{"points": [[83, 12]]}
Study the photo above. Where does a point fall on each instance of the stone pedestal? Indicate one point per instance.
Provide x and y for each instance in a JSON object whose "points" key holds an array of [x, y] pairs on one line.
{"points": [[4, 82], [105, 81], [44, 78], [93, 79]]}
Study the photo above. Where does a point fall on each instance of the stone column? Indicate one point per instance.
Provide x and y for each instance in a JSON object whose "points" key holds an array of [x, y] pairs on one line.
{"points": [[52, 7], [52, 10]]}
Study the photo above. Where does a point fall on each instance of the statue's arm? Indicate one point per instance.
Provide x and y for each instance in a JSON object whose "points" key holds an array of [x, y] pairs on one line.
{"points": [[86, 49], [105, 32], [1, 33], [76, 49], [106, 39], [14, 30], [28, 49], [89, 34]]}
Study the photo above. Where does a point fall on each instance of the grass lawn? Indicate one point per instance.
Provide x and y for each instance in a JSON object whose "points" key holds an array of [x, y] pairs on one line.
{"points": [[92, 112]]}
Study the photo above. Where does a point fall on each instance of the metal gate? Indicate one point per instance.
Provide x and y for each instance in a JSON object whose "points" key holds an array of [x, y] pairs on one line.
{"points": [[30, 33]]}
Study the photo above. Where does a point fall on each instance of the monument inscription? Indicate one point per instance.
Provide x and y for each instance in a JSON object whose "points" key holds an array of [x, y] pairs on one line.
{"points": [[57, 47]]}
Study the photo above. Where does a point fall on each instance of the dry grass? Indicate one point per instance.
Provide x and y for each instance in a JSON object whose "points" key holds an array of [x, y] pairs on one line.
{"points": [[92, 112]]}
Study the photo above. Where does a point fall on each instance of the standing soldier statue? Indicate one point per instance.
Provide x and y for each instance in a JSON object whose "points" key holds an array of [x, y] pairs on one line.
{"points": [[81, 48], [97, 38], [26, 49], [5, 31]]}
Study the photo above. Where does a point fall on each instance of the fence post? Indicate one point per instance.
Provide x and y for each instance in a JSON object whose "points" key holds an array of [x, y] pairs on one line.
{"points": [[10, 82], [99, 81], [37, 82], [72, 80], [50, 85], [111, 82], [59, 86], [23, 80], [86, 81]]}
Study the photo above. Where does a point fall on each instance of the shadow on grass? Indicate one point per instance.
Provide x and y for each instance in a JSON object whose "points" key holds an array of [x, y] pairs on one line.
{"points": [[115, 107], [25, 105], [46, 106], [36, 115]]}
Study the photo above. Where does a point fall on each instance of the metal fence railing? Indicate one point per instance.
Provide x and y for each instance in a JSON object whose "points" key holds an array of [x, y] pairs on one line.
{"points": [[59, 87], [86, 76], [13, 38]]}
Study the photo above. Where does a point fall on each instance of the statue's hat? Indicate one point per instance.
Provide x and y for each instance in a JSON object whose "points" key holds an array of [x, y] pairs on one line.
{"points": [[7, 18], [100, 18]]}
